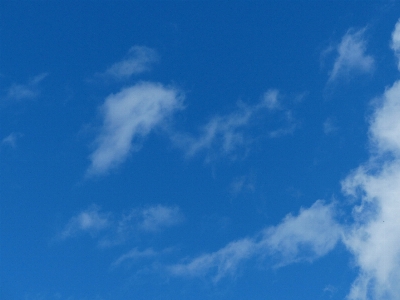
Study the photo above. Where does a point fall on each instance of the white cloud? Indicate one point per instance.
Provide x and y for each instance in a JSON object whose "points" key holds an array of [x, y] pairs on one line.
{"points": [[224, 261], [374, 239], [374, 235], [385, 125], [228, 132], [351, 56], [307, 236], [128, 116], [395, 45], [311, 234], [90, 221], [138, 60], [26, 91]]}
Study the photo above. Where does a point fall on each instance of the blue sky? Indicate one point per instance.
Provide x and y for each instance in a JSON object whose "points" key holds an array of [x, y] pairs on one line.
{"points": [[199, 150]]}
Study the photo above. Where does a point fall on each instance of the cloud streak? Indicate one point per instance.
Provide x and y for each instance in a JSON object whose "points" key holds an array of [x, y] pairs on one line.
{"points": [[129, 116], [305, 237], [351, 56]]}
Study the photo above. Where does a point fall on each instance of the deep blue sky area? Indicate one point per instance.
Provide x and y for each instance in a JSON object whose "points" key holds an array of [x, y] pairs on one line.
{"points": [[199, 150]]}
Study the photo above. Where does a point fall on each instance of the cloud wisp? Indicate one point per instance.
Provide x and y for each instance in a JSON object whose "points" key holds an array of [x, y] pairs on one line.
{"points": [[395, 44], [138, 60], [27, 91], [129, 116], [110, 229], [134, 254], [305, 237], [351, 56], [229, 132], [90, 221]]}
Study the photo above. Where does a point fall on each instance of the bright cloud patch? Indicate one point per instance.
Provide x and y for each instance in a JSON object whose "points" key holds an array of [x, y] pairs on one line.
{"points": [[351, 56], [138, 60], [129, 115], [374, 239], [307, 236], [311, 234], [396, 42]]}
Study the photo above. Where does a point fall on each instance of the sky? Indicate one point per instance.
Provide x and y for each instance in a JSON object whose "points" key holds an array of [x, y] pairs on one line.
{"points": [[199, 150]]}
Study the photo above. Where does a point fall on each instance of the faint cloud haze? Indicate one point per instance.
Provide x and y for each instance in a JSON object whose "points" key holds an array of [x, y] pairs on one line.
{"points": [[110, 229], [26, 91], [138, 60]]}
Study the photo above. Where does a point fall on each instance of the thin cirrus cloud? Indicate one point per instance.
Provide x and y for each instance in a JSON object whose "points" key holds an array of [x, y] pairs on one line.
{"points": [[307, 236], [138, 60], [129, 116], [229, 132], [395, 45], [110, 229], [373, 237], [26, 91], [351, 56]]}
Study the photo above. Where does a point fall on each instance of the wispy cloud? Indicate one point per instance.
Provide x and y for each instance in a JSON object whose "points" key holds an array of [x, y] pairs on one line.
{"points": [[228, 132], [138, 60], [351, 56], [129, 116], [157, 217], [395, 44], [89, 221], [307, 236], [26, 91], [110, 229]]}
